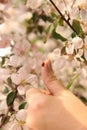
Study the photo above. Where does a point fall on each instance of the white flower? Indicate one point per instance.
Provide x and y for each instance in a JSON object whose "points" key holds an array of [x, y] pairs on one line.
{"points": [[5, 51], [33, 4], [21, 48], [14, 61], [70, 49], [85, 54], [22, 90], [16, 104], [18, 122], [54, 55], [74, 12], [64, 31], [77, 42], [23, 80], [3, 106], [21, 115], [82, 4], [59, 63], [5, 41], [13, 27], [79, 53], [83, 14], [15, 126], [26, 15], [22, 77], [4, 74], [49, 45]]}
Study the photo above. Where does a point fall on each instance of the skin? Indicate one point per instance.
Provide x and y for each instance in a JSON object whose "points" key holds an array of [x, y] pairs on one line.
{"points": [[55, 108]]}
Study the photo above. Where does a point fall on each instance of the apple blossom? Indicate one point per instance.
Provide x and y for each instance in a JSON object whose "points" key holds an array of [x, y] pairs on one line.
{"points": [[5, 41], [25, 46], [34, 4]]}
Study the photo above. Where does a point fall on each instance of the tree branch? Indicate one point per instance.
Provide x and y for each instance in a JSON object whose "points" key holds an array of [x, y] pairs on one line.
{"points": [[4, 118], [62, 16]]}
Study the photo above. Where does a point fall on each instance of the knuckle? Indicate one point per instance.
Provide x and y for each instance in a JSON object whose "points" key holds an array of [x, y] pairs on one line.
{"points": [[31, 95], [40, 103], [35, 110], [37, 102], [51, 79]]}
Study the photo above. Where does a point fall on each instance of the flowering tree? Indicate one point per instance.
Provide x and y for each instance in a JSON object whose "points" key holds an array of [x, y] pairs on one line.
{"points": [[30, 32]]}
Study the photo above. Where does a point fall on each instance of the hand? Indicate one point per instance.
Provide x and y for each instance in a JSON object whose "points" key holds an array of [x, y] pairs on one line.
{"points": [[57, 109]]}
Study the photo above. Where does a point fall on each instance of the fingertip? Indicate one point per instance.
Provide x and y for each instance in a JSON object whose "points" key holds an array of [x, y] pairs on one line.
{"points": [[50, 80], [43, 64], [46, 62]]}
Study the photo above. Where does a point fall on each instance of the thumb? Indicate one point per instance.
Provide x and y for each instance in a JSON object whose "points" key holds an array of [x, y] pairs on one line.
{"points": [[54, 85]]}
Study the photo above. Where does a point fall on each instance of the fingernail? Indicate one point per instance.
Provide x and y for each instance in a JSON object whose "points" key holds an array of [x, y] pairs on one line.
{"points": [[43, 64]]}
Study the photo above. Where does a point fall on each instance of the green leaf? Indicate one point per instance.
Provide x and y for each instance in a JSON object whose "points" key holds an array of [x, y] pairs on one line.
{"points": [[48, 29], [40, 28], [45, 39], [73, 35], [6, 90], [35, 17], [57, 36], [79, 87], [9, 81], [55, 24], [61, 22], [54, 15], [77, 27], [3, 61], [22, 105], [83, 99], [10, 98], [71, 81], [46, 18]]}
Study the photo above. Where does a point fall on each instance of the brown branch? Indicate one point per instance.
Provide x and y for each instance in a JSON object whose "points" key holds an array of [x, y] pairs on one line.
{"points": [[4, 118], [62, 16], [10, 108]]}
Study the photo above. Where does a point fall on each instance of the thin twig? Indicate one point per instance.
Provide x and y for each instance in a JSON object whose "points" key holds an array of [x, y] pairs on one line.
{"points": [[62, 16], [4, 118]]}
